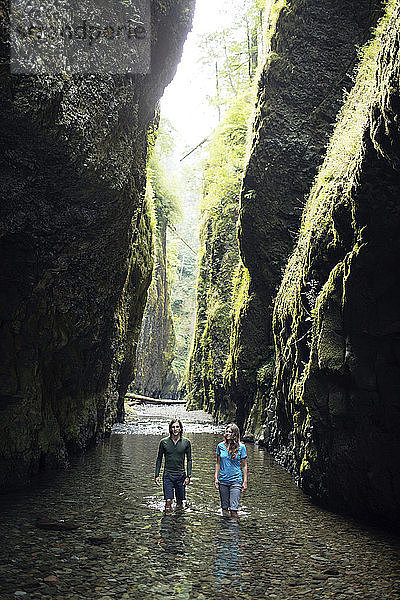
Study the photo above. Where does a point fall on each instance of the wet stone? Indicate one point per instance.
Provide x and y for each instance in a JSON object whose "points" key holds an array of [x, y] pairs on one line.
{"points": [[293, 582], [332, 572], [100, 540]]}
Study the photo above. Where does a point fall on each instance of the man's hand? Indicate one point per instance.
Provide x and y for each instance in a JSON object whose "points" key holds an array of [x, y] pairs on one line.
{"points": [[157, 480], [187, 481], [216, 483], [244, 486]]}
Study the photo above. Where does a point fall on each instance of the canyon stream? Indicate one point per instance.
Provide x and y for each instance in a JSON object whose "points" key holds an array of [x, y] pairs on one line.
{"points": [[115, 542]]}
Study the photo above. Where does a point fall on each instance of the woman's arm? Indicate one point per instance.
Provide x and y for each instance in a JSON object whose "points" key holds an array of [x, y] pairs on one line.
{"points": [[244, 469], [217, 465]]}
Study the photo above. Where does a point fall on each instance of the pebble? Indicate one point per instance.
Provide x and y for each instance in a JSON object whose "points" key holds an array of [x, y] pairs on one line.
{"points": [[52, 579], [332, 572]]}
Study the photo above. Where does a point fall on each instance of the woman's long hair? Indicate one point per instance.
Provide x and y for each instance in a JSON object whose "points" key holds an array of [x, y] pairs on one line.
{"points": [[233, 443], [180, 425]]}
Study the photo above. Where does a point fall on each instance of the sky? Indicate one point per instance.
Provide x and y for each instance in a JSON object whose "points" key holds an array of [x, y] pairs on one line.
{"points": [[185, 100]]}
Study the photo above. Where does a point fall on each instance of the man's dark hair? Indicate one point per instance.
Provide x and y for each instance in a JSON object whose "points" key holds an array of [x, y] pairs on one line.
{"points": [[180, 425]]}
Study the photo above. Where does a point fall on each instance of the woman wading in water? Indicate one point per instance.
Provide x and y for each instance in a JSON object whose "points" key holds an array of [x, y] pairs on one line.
{"points": [[231, 470]]}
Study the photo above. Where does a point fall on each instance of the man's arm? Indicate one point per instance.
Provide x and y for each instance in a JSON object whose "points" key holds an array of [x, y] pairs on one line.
{"points": [[189, 462], [189, 458], [158, 463]]}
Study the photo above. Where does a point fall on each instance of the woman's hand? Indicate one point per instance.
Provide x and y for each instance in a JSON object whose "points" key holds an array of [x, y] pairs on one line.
{"points": [[216, 483], [187, 481], [157, 480], [244, 486]]}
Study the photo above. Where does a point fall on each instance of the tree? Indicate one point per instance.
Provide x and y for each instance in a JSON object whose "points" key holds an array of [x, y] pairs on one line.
{"points": [[232, 53]]}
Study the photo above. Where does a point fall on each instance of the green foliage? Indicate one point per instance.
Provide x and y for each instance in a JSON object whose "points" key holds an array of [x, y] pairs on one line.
{"points": [[232, 54], [165, 188], [182, 293], [165, 192], [227, 152]]}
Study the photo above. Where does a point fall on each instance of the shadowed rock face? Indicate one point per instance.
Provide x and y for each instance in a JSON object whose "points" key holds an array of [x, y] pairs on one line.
{"points": [[334, 417], [313, 54], [155, 350], [75, 243]]}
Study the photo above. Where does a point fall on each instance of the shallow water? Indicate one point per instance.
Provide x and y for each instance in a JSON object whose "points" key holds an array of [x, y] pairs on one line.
{"points": [[281, 547]]}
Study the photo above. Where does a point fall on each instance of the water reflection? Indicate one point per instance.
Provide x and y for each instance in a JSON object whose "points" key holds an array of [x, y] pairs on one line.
{"points": [[173, 533], [227, 553]]}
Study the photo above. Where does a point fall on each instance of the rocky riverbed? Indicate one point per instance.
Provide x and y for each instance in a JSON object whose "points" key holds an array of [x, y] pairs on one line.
{"points": [[98, 531]]}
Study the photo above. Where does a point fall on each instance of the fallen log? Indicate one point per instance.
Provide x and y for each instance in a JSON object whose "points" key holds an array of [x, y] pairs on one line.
{"points": [[148, 400]]}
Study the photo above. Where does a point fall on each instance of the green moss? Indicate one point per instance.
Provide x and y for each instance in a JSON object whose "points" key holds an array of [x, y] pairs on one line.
{"points": [[241, 283], [273, 9], [305, 466]]}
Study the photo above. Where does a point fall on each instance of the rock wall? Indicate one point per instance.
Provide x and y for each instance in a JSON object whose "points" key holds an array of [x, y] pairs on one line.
{"points": [[155, 350], [334, 416], [219, 262], [75, 242], [313, 367], [205, 385], [312, 52], [312, 55]]}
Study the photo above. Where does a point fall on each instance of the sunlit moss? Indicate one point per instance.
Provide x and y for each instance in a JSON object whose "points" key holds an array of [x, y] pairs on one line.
{"points": [[273, 9]]}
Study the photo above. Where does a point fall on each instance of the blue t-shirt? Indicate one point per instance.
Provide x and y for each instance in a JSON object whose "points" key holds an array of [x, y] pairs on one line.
{"points": [[229, 470]]}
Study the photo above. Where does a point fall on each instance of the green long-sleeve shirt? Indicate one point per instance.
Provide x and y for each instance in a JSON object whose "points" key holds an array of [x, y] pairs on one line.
{"points": [[174, 456]]}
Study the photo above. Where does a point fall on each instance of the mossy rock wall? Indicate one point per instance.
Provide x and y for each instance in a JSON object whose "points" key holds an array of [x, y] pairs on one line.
{"points": [[155, 351], [76, 249], [204, 387], [312, 54], [334, 417]]}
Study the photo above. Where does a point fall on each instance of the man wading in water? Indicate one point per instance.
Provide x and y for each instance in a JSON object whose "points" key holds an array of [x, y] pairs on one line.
{"points": [[174, 448]]}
